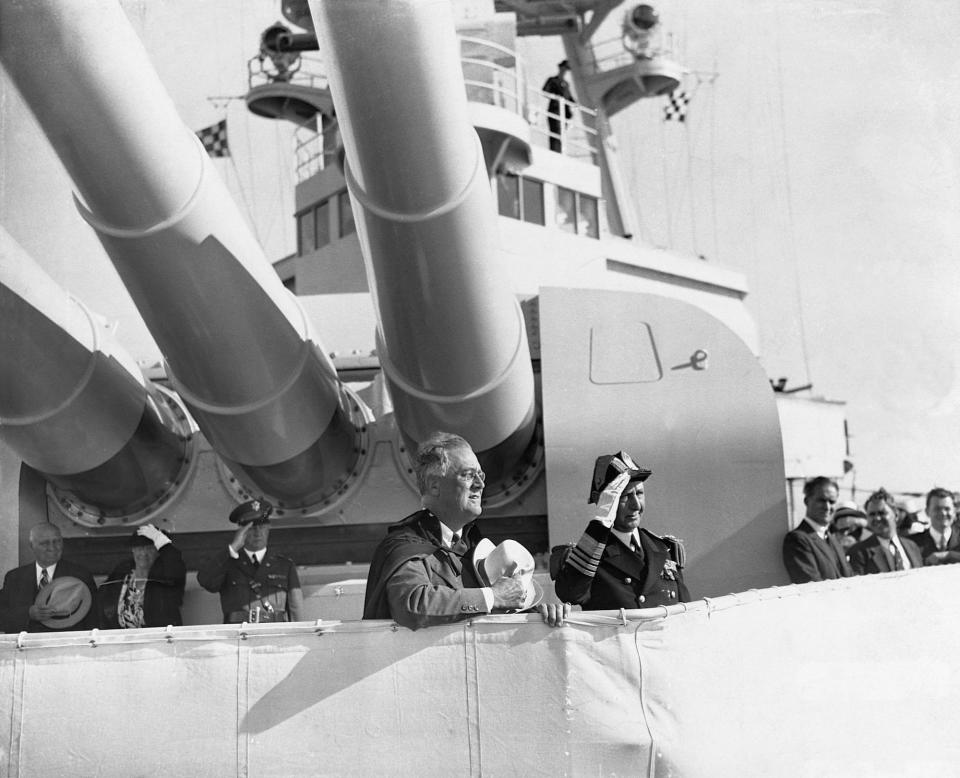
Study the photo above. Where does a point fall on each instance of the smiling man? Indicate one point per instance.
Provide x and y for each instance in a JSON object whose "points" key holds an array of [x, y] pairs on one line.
{"points": [[617, 563], [885, 551], [421, 573]]}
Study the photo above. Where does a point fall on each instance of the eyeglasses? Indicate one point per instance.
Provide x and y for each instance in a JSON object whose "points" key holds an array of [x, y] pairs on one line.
{"points": [[471, 475]]}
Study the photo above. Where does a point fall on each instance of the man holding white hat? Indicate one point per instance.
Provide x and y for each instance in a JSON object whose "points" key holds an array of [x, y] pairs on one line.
{"points": [[434, 566], [49, 594]]}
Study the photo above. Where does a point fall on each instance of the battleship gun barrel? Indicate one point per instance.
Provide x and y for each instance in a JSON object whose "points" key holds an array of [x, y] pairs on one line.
{"points": [[236, 343], [451, 336], [74, 406]]}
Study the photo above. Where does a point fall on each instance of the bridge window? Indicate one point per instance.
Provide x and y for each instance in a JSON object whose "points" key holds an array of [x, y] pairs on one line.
{"points": [[347, 224], [520, 198], [532, 201], [323, 223], [566, 215], [306, 234], [587, 223]]}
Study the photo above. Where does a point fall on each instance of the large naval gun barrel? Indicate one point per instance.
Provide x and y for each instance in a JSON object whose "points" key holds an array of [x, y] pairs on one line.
{"points": [[236, 342], [75, 407], [451, 337]]}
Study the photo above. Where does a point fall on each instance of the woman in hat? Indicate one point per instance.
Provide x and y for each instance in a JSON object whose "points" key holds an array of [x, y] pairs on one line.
{"points": [[147, 589]]}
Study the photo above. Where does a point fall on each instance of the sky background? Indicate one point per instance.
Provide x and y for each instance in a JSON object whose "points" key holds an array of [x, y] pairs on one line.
{"points": [[821, 161]]}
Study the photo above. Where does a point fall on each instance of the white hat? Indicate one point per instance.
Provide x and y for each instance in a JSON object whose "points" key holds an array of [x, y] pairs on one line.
{"points": [[510, 559], [70, 596]]}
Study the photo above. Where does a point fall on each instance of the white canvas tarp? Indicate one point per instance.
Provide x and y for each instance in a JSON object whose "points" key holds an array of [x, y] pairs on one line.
{"points": [[849, 678]]}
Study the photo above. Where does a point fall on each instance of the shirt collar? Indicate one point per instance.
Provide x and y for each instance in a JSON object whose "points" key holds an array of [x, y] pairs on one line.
{"points": [[937, 535], [626, 537], [50, 571], [446, 534], [258, 555], [820, 529]]}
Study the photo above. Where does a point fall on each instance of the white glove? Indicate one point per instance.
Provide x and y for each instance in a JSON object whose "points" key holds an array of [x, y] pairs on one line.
{"points": [[151, 532], [609, 500]]}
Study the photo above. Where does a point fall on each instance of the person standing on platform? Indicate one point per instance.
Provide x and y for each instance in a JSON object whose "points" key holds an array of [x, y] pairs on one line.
{"points": [[559, 106], [940, 542], [810, 552]]}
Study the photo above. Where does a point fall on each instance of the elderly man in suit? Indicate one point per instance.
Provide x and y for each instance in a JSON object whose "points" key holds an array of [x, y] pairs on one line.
{"points": [[885, 551], [810, 552], [19, 610], [940, 542], [421, 573]]}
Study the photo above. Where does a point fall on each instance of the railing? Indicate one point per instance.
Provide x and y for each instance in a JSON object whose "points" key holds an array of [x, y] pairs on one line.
{"points": [[487, 81], [611, 53], [306, 73]]}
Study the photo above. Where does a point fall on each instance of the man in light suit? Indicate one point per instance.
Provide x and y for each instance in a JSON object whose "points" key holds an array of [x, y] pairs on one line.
{"points": [[421, 573], [885, 551], [810, 552], [18, 609]]}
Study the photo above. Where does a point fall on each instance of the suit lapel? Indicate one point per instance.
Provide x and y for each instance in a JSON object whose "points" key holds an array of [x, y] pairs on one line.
{"points": [[622, 558], [882, 557]]}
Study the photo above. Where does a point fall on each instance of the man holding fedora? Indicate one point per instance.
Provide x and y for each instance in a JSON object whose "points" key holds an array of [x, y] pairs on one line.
{"points": [[617, 563], [49, 594], [435, 566], [255, 584]]}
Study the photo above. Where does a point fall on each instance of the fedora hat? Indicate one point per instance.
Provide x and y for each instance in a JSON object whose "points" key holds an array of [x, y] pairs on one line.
{"points": [[68, 595], [510, 559]]}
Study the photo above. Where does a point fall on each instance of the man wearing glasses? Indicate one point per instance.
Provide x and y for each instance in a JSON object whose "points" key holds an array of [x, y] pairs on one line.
{"points": [[421, 573]]}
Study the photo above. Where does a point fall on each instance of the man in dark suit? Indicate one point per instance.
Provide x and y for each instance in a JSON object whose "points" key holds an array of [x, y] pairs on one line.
{"points": [[421, 573], [810, 552], [885, 551], [18, 609], [940, 542], [255, 584], [616, 563]]}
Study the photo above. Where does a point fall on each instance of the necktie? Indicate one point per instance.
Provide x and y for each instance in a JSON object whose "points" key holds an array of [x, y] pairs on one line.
{"points": [[943, 542], [455, 539], [254, 561], [44, 578], [897, 558]]}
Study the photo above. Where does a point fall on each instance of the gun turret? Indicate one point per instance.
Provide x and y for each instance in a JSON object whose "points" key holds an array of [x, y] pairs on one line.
{"points": [[237, 345], [77, 409], [451, 336]]}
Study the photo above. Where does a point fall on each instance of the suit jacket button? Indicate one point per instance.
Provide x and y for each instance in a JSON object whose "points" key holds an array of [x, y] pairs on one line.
{"points": [[628, 580], [642, 598]]}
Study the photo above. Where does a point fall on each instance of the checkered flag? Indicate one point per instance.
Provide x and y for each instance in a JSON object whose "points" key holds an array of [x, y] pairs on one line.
{"points": [[214, 139], [676, 107]]}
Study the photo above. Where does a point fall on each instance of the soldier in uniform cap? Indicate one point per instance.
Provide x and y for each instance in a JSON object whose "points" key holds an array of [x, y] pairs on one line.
{"points": [[255, 584], [617, 564]]}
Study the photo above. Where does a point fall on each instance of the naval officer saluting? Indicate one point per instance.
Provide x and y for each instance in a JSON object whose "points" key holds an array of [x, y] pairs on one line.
{"points": [[255, 584], [616, 563]]}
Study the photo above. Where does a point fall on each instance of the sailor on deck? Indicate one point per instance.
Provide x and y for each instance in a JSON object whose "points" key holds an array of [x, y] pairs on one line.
{"points": [[617, 564]]}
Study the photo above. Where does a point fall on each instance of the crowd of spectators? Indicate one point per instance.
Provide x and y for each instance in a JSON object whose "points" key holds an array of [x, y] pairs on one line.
{"points": [[840, 539]]}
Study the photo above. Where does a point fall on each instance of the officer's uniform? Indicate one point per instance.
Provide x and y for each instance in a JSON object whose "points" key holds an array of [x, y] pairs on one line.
{"points": [[251, 592], [602, 572]]}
